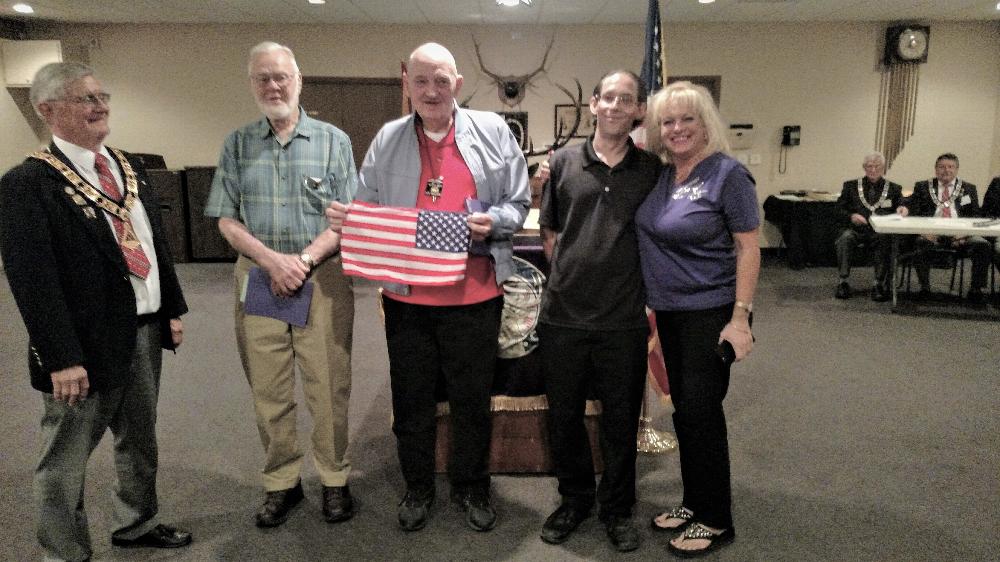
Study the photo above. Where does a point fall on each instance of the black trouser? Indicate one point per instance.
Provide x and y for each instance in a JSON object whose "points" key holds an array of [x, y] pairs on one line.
{"points": [[459, 345], [699, 381], [976, 247], [611, 364]]}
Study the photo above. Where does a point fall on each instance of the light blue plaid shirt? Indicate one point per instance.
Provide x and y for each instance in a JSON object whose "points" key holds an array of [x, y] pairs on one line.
{"points": [[280, 191]]}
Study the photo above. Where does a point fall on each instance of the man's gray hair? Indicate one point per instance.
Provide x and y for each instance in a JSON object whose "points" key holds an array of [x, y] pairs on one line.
{"points": [[269, 47], [874, 157], [51, 80]]}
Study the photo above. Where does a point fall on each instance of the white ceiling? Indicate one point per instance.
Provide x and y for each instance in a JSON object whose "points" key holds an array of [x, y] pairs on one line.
{"points": [[568, 12]]}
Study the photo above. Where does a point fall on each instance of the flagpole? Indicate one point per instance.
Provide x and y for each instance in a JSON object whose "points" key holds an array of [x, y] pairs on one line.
{"points": [[650, 440]]}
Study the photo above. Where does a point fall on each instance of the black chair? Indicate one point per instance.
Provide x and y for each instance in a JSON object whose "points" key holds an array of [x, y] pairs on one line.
{"points": [[939, 258]]}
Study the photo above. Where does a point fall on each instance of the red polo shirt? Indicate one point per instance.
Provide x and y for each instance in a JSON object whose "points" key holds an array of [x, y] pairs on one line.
{"points": [[480, 282]]}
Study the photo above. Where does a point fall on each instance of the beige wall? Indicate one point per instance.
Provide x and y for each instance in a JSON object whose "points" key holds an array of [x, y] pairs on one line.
{"points": [[178, 89]]}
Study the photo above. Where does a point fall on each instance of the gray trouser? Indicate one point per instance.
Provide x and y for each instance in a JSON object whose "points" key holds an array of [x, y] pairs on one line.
{"points": [[880, 246], [69, 435]]}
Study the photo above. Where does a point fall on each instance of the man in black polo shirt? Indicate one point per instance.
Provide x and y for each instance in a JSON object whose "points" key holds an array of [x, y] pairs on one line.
{"points": [[593, 326]]}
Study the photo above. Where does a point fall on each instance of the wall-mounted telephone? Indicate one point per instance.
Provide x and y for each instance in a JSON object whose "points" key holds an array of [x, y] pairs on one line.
{"points": [[791, 135]]}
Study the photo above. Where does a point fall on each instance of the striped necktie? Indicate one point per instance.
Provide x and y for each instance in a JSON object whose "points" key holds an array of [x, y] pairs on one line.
{"points": [[129, 243]]}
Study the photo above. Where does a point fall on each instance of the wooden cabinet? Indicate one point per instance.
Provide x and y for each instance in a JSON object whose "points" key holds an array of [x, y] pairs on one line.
{"points": [[169, 188], [207, 242]]}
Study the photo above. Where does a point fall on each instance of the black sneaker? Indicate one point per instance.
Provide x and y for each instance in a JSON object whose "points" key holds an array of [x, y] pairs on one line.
{"points": [[478, 508], [413, 509], [622, 533], [563, 521], [843, 290]]}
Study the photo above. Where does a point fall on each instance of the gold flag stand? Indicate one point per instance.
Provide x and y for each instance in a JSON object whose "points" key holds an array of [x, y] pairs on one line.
{"points": [[651, 440]]}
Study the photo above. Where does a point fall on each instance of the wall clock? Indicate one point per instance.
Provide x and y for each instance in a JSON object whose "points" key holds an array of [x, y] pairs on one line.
{"points": [[907, 44]]}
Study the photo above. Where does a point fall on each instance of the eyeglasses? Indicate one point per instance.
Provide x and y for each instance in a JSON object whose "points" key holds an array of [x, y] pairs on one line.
{"points": [[90, 99], [624, 100], [280, 79]]}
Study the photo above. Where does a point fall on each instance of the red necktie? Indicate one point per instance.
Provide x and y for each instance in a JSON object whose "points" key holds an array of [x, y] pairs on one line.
{"points": [[943, 196], [131, 248]]}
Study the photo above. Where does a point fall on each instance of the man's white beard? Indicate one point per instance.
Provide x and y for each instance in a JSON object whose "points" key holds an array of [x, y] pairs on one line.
{"points": [[282, 111]]}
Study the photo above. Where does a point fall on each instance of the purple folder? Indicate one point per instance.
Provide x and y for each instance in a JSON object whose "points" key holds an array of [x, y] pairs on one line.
{"points": [[477, 247], [260, 301]]}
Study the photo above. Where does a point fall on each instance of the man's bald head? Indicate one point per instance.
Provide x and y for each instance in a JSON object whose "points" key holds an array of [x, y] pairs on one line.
{"points": [[436, 54]]}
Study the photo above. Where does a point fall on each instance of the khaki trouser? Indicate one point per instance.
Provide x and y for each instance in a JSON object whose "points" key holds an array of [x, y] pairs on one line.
{"points": [[270, 350]]}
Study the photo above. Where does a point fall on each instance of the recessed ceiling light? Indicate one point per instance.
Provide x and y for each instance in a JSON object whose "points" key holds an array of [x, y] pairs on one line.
{"points": [[317, 1], [706, 1], [23, 9], [513, 2]]}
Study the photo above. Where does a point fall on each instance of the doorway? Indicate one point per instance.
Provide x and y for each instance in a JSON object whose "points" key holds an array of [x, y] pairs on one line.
{"points": [[358, 106]]}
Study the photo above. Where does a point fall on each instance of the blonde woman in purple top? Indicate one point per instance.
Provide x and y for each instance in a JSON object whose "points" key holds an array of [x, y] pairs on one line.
{"points": [[698, 232]]}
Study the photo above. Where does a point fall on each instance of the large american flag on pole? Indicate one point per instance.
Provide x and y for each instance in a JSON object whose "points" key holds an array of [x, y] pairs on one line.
{"points": [[402, 245], [653, 60]]}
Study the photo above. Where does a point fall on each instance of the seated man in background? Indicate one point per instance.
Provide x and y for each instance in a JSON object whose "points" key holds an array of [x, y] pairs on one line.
{"points": [[860, 199], [991, 209], [947, 196]]}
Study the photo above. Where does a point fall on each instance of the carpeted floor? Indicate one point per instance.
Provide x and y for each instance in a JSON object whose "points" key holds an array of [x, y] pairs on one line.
{"points": [[856, 434]]}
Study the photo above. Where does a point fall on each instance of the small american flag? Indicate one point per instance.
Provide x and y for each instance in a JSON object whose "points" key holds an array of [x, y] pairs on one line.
{"points": [[401, 245]]}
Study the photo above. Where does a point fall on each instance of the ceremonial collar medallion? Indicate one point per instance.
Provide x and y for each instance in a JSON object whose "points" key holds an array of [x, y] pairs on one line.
{"points": [[92, 194]]}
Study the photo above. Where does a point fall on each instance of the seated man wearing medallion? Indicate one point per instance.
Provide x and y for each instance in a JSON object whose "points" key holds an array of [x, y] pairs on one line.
{"points": [[947, 196], [859, 200]]}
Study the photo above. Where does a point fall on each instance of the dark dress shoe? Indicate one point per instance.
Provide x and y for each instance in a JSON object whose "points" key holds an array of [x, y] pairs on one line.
{"points": [[843, 290], [879, 294], [277, 506], [338, 505], [161, 536], [413, 509], [563, 521], [479, 512], [975, 296], [622, 532]]}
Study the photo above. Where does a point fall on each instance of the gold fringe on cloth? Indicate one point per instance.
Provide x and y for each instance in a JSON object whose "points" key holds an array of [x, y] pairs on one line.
{"points": [[503, 403], [897, 109]]}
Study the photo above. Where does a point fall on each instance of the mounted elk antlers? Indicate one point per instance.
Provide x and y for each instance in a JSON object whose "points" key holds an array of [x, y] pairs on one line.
{"points": [[511, 88], [560, 139]]}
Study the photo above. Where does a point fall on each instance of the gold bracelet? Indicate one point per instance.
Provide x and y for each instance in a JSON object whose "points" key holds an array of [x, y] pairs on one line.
{"points": [[747, 306]]}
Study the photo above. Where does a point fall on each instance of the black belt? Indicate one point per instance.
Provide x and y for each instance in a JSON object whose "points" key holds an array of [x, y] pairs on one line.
{"points": [[146, 319]]}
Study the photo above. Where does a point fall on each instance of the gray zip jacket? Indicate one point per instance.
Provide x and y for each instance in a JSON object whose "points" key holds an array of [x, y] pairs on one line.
{"points": [[390, 176]]}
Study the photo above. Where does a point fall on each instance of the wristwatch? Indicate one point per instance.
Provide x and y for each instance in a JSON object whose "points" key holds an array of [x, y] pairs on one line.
{"points": [[308, 260], [748, 306]]}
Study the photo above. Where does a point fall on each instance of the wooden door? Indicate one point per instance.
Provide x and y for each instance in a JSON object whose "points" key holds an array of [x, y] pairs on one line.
{"points": [[358, 106]]}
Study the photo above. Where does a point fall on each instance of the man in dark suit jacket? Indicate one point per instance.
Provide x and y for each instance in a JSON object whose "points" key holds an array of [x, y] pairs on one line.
{"points": [[94, 281], [991, 200], [859, 200], [991, 209], [948, 196]]}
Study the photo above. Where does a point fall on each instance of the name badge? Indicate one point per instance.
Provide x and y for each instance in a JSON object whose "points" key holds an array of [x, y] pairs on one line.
{"points": [[885, 204], [965, 200]]}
